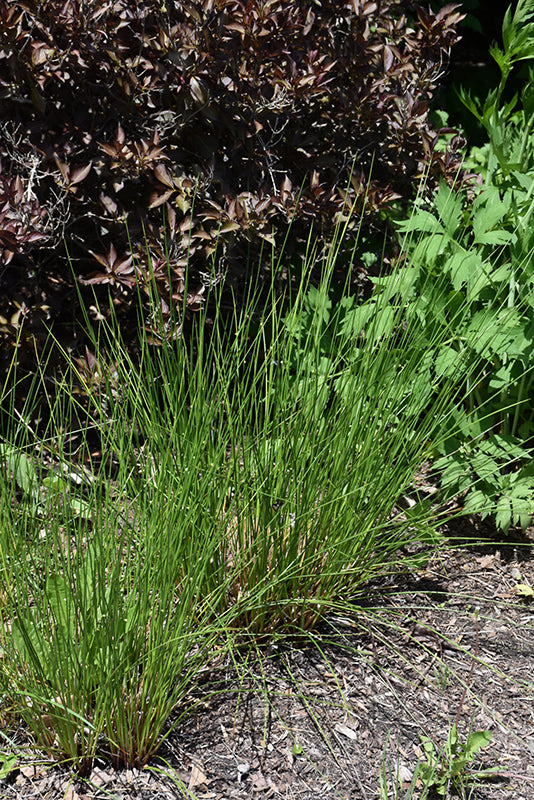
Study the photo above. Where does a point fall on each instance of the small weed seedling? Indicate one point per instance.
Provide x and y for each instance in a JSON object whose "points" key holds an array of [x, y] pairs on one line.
{"points": [[8, 763], [446, 767], [441, 769]]}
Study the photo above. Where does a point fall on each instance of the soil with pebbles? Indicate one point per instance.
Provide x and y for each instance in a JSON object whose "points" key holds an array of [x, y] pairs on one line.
{"points": [[321, 722]]}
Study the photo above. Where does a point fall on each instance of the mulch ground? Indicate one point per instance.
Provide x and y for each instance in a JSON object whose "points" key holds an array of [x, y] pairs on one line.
{"points": [[318, 723]]}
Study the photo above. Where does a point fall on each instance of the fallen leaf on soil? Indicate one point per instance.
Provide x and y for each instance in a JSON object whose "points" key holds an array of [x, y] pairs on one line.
{"points": [[99, 777], [346, 731], [30, 772], [197, 777], [259, 784], [405, 775], [71, 794]]}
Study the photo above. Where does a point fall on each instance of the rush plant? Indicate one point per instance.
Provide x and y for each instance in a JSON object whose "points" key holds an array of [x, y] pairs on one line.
{"points": [[242, 485]]}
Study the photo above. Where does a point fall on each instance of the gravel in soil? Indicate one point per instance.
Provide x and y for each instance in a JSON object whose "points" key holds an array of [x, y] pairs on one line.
{"points": [[318, 723]]}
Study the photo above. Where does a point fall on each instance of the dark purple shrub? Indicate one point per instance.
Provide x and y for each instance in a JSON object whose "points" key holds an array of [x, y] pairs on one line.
{"points": [[207, 127]]}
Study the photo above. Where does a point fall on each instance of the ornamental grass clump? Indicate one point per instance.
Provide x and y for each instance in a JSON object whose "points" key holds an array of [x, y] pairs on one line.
{"points": [[106, 626], [238, 482]]}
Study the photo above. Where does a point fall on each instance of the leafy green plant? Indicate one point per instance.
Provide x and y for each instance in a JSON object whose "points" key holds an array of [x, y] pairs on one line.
{"points": [[8, 763], [445, 768], [481, 243], [42, 494], [508, 154], [496, 424], [442, 767], [455, 262]]}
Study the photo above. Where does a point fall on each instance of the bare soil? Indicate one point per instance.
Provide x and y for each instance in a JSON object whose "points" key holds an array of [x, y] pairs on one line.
{"points": [[319, 722]]}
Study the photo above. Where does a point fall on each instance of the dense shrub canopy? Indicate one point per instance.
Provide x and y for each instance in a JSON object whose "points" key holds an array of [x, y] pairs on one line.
{"points": [[203, 125]]}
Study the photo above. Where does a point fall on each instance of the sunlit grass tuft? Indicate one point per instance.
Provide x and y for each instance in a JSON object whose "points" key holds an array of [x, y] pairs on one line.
{"points": [[246, 485]]}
